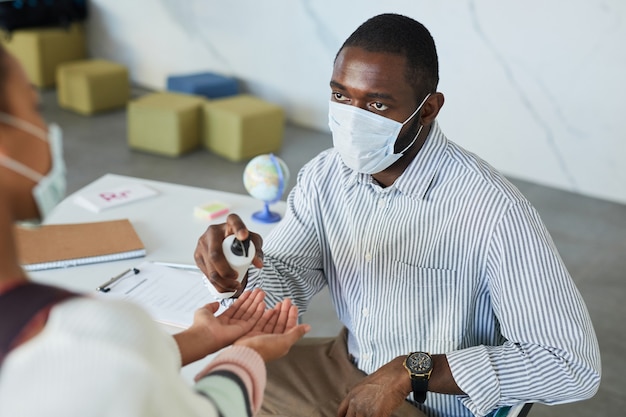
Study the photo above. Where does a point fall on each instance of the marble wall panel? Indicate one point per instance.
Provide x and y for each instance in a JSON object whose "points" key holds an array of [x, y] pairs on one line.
{"points": [[535, 87]]}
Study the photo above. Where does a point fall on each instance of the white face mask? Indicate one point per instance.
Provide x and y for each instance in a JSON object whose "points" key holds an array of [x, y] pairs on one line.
{"points": [[365, 140], [50, 188]]}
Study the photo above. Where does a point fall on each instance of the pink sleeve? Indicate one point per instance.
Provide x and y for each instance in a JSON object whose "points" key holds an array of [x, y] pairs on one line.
{"points": [[247, 364]]}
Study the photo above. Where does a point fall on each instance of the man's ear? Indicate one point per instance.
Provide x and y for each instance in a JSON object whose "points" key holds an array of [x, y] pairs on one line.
{"points": [[431, 108]]}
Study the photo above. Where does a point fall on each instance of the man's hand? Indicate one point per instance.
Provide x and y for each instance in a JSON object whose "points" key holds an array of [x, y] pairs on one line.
{"points": [[378, 394], [275, 332], [210, 258], [209, 333]]}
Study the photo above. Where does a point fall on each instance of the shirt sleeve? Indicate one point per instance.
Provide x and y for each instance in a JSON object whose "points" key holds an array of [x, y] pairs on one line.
{"points": [[292, 264], [234, 381], [551, 353]]}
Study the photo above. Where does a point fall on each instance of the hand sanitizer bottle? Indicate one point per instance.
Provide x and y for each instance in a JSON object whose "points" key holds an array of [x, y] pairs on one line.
{"points": [[239, 255]]}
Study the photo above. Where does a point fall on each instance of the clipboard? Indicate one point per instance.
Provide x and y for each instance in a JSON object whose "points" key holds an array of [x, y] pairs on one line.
{"points": [[170, 295]]}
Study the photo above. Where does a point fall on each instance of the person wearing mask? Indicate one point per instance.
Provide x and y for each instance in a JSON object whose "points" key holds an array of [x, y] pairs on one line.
{"points": [[454, 298], [66, 354]]}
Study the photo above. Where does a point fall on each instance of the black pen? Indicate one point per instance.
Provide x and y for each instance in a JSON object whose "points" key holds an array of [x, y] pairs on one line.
{"points": [[105, 287]]}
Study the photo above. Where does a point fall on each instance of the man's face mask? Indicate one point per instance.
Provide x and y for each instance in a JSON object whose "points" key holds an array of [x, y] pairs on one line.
{"points": [[365, 140], [50, 188]]}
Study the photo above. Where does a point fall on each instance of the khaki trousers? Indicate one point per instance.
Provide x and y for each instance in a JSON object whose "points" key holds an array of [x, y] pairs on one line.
{"points": [[313, 379]]}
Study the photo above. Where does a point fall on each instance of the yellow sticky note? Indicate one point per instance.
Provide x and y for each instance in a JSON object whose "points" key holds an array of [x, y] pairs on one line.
{"points": [[211, 210]]}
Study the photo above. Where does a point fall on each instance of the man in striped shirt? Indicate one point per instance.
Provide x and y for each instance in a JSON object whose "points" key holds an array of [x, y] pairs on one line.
{"points": [[454, 298]]}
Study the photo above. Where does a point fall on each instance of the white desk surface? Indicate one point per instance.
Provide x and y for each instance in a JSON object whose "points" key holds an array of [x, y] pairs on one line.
{"points": [[165, 223]]}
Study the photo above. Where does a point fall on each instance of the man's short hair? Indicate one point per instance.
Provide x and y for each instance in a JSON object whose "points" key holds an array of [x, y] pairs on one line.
{"points": [[397, 34]]}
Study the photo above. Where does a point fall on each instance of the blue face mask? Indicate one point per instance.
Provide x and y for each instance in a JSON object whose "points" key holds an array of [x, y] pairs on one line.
{"points": [[365, 140], [50, 188]]}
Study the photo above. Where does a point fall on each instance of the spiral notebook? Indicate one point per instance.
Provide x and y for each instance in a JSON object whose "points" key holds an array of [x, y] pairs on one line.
{"points": [[66, 245]]}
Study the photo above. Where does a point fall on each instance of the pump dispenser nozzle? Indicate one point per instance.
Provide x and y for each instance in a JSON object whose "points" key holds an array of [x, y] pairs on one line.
{"points": [[239, 255], [240, 248]]}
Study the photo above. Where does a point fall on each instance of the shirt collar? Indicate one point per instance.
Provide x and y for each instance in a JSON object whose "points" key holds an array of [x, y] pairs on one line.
{"points": [[417, 177]]}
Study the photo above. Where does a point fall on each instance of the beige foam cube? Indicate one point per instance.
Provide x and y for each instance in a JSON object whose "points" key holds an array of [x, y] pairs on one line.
{"points": [[41, 50], [165, 123], [91, 86], [242, 126]]}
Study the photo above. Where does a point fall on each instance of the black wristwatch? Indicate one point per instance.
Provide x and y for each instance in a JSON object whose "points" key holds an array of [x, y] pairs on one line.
{"points": [[419, 365]]}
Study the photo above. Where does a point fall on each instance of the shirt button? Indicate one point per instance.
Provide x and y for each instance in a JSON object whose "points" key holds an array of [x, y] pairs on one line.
{"points": [[365, 356], [381, 203], [365, 312], [368, 256]]}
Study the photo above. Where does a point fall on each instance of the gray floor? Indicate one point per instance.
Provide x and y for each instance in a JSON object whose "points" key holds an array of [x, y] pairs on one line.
{"points": [[590, 233]]}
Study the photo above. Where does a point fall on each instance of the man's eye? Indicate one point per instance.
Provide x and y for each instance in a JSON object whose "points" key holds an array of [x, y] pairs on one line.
{"points": [[379, 106], [339, 96]]}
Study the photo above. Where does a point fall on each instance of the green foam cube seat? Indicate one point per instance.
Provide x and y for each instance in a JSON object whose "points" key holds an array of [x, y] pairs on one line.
{"points": [[42, 50], [165, 123], [93, 85], [242, 126]]}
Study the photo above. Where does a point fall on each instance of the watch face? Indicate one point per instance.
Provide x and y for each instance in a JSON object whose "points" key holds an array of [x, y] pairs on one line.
{"points": [[419, 362]]}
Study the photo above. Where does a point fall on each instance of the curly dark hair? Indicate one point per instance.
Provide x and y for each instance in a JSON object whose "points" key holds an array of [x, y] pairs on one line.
{"points": [[398, 34]]}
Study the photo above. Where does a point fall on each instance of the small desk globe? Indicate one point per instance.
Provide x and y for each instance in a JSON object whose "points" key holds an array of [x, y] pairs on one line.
{"points": [[265, 178]]}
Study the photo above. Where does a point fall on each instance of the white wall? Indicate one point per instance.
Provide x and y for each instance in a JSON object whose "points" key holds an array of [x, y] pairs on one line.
{"points": [[535, 87]]}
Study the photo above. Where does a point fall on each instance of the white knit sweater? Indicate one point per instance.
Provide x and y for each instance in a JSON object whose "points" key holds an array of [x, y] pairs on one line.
{"points": [[108, 358]]}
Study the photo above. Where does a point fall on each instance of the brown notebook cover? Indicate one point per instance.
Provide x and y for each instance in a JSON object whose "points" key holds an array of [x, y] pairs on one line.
{"points": [[64, 245]]}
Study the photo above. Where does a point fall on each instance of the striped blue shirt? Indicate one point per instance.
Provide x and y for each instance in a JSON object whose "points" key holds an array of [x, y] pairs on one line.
{"points": [[450, 259]]}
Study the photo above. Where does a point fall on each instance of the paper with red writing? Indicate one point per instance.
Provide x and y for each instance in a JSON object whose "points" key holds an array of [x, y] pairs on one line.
{"points": [[102, 200]]}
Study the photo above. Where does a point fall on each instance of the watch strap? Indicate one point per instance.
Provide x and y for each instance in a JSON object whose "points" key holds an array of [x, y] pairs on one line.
{"points": [[420, 387]]}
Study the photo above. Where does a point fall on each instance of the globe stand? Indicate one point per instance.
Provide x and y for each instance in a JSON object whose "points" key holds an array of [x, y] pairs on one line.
{"points": [[265, 215]]}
